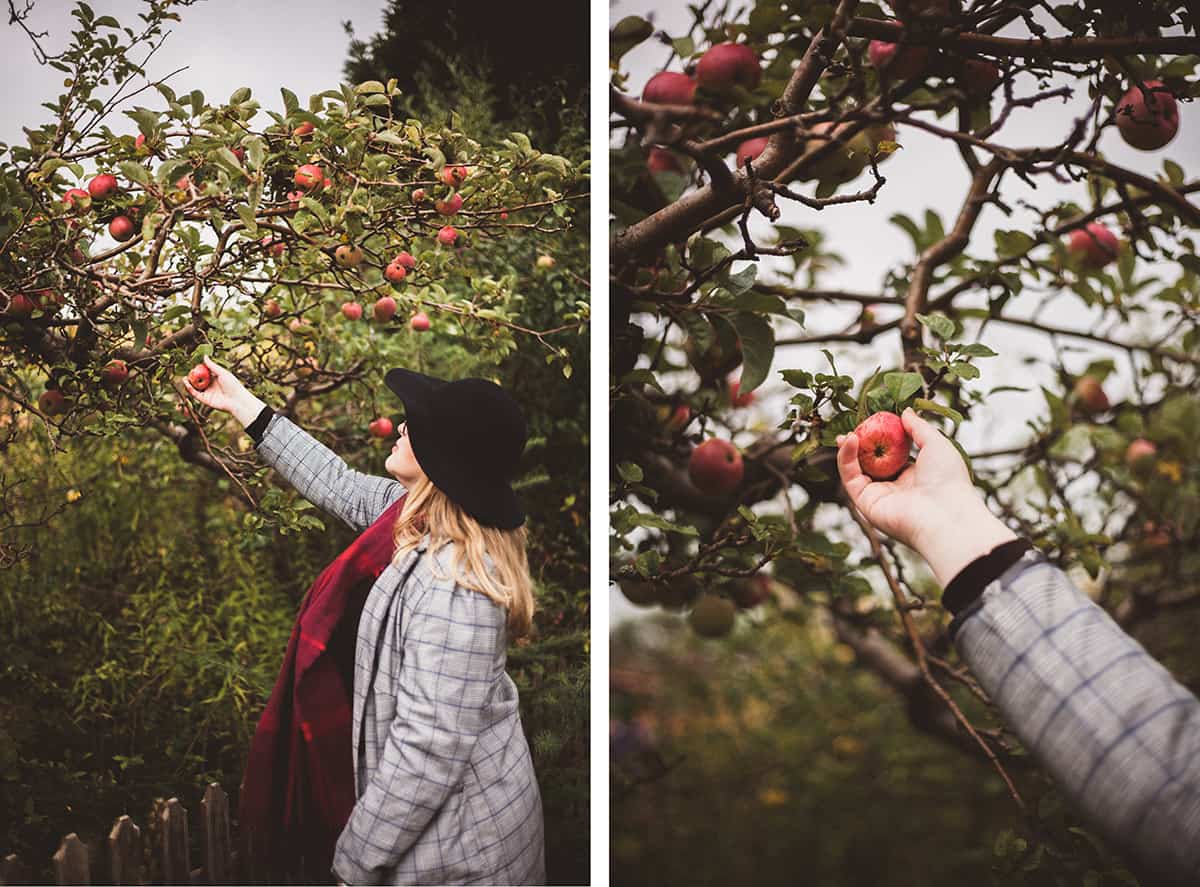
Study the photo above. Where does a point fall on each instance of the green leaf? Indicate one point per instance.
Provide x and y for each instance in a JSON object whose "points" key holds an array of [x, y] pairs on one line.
{"points": [[964, 370], [743, 280], [758, 349], [642, 377], [684, 46], [239, 95], [630, 472], [169, 172], [256, 152], [388, 138], [939, 324], [290, 102], [975, 349], [314, 207], [902, 386], [246, 214], [367, 87], [921, 405], [135, 172], [862, 412], [229, 162], [626, 34], [797, 378]]}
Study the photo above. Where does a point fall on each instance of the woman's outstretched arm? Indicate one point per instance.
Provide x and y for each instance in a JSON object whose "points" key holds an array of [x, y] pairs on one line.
{"points": [[318, 474], [1118, 733]]}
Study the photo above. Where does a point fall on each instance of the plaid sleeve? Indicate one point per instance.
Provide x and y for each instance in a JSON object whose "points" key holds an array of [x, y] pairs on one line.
{"points": [[1110, 724], [454, 641], [323, 478]]}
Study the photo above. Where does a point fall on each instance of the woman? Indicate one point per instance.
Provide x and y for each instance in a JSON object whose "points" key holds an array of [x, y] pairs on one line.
{"points": [[1117, 732], [426, 777]]}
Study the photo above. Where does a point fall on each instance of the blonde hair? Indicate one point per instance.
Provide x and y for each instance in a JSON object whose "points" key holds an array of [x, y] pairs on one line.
{"points": [[508, 584]]}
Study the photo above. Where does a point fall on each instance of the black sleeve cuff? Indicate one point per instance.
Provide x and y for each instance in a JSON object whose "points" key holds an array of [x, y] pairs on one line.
{"points": [[966, 587], [258, 427]]}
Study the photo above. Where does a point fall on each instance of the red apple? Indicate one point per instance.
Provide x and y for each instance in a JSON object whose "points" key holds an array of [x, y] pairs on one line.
{"points": [[662, 160], [419, 322], [274, 247], [503, 216], [679, 418], [669, 88], [77, 199], [20, 306], [240, 153], [869, 317], [51, 402], [200, 376], [453, 175], [897, 63], [381, 427], [727, 65], [309, 177], [405, 259], [841, 163], [716, 467], [1139, 456], [348, 256], [352, 311], [121, 228], [980, 77], [739, 400], [1093, 245], [395, 272], [750, 149], [450, 205], [140, 140], [328, 184], [303, 129], [447, 235], [116, 372], [102, 186], [418, 196], [1090, 395], [1148, 124], [883, 445], [385, 309], [272, 309]]}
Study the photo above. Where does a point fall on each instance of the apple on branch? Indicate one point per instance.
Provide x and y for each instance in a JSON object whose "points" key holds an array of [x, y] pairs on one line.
{"points": [[309, 177], [102, 186], [669, 88], [381, 427], [1093, 245], [1148, 120], [348, 256], [750, 149], [1090, 395], [419, 322], [728, 65], [385, 309], [352, 311], [121, 228], [1140, 456], [659, 160], [712, 616], [450, 205], [897, 62], [200, 376], [447, 235], [716, 467], [114, 373], [453, 175], [883, 445], [51, 402]]}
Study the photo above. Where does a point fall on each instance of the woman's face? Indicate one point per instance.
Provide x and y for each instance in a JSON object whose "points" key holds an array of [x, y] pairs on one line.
{"points": [[401, 463]]}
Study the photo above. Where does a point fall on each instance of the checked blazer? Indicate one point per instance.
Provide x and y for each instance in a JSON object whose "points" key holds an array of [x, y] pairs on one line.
{"points": [[444, 783]]}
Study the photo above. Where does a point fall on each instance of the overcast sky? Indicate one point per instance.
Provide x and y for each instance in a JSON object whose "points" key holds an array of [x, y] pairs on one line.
{"points": [[262, 44], [927, 173]]}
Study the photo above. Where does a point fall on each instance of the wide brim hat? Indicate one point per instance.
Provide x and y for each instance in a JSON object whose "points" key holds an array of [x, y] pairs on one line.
{"points": [[467, 436]]}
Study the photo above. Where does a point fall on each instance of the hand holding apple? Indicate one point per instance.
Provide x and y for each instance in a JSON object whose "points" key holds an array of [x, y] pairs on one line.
{"points": [[932, 507], [225, 392]]}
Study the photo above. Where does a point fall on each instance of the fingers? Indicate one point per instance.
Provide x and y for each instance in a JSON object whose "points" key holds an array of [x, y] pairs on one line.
{"points": [[918, 429], [848, 468]]}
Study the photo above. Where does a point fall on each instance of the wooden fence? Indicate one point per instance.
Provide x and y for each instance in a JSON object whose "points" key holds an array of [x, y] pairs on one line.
{"points": [[124, 858]]}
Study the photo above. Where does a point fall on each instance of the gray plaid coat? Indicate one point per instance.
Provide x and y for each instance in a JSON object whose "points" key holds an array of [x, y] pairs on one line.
{"points": [[445, 784]]}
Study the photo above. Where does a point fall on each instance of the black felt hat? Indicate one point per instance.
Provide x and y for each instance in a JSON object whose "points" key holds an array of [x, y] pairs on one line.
{"points": [[468, 436]]}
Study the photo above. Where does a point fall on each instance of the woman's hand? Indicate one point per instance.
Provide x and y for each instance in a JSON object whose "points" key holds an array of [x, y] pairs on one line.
{"points": [[932, 506], [226, 392]]}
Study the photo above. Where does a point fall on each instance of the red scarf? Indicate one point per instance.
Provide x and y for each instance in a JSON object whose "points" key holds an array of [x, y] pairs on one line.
{"points": [[298, 790]]}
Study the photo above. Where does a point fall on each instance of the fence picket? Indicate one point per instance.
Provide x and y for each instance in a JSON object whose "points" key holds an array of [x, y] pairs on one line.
{"points": [[71, 864], [214, 820], [125, 851], [176, 859]]}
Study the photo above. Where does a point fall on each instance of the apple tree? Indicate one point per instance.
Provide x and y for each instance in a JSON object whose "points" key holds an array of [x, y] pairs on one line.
{"points": [[739, 352], [308, 244]]}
